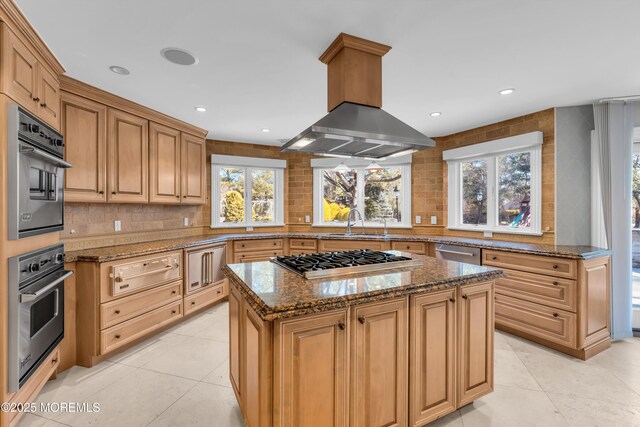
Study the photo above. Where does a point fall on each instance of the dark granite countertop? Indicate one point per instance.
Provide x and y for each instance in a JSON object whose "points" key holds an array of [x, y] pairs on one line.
{"points": [[275, 292], [112, 253]]}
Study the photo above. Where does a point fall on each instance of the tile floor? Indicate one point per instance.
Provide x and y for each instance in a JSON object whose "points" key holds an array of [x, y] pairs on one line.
{"points": [[180, 378]]}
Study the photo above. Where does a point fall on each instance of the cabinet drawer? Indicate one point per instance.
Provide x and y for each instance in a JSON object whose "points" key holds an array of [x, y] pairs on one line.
{"points": [[125, 332], [257, 245], [256, 256], [546, 290], [551, 324], [304, 244], [558, 267], [202, 299], [118, 311], [346, 245], [412, 247]]}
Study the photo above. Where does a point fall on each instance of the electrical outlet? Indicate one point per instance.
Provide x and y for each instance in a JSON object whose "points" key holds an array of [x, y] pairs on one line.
{"points": [[249, 228], [434, 220], [488, 234], [117, 224], [307, 218], [185, 221], [418, 219]]}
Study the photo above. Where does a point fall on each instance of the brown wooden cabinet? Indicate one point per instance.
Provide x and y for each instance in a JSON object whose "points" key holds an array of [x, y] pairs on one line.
{"points": [[193, 170], [235, 347], [164, 164], [27, 80], [348, 244], [475, 354], [432, 369], [310, 370], [255, 250], [84, 126], [128, 164], [379, 361]]}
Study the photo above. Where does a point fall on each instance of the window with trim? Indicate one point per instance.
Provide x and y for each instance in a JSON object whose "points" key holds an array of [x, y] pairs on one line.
{"points": [[496, 186], [378, 194], [246, 191]]}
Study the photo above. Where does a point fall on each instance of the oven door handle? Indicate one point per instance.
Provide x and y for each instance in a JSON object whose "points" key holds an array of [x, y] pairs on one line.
{"points": [[38, 294], [41, 153]]}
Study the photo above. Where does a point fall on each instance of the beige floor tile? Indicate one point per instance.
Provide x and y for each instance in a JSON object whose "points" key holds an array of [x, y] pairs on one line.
{"points": [[189, 357], [77, 384], [596, 413], [30, 420], [132, 401], [454, 419], [510, 371], [211, 326], [147, 350], [509, 407], [500, 341], [572, 376], [219, 375], [204, 405]]}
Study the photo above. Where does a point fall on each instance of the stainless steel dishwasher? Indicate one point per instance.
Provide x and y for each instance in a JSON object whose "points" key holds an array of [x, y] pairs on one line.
{"points": [[458, 253]]}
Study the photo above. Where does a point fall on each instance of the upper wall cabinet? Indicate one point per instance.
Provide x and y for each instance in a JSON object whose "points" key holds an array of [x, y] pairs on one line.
{"points": [[128, 165], [84, 126], [28, 80], [122, 152], [164, 164], [194, 169]]}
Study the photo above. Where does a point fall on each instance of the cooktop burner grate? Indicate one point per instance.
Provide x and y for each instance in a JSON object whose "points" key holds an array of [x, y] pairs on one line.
{"points": [[343, 262]]}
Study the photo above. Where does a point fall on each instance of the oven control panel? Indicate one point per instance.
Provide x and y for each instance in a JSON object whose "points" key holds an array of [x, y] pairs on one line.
{"points": [[37, 264], [37, 133]]}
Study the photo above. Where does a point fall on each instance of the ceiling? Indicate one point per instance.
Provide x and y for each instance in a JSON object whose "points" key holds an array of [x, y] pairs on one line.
{"points": [[258, 60]]}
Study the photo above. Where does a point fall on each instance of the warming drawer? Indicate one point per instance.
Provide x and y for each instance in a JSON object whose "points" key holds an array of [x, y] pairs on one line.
{"points": [[134, 276]]}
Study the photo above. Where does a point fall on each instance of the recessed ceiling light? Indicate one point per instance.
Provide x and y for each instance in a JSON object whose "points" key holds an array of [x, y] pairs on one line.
{"points": [[120, 70], [200, 109], [436, 114], [178, 56], [508, 91], [265, 130]]}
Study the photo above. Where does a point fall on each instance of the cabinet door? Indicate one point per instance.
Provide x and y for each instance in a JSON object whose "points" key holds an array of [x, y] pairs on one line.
{"points": [[128, 158], [84, 126], [475, 330], [164, 164], [194, 163], [49, 94], [235, 333], [256, 369], [310, 370], [379, 364], [433, 356], [19, 71], [256, 256]]}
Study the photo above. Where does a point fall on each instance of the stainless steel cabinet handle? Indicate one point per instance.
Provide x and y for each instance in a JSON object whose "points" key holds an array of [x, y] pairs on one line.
{"points": [[160, 270], [34, 296], [454, 252]]}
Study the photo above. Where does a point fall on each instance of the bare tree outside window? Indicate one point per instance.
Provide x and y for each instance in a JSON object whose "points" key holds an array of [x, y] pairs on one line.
{"points": [[514, 192], [474, 192]]}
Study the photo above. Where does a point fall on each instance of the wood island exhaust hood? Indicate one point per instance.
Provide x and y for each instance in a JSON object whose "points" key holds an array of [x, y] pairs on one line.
{"points": [[356, 126]]}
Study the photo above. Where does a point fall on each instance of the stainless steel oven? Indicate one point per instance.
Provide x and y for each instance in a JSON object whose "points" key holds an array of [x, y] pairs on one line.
{"points": [[36, 176], [36, 310]]}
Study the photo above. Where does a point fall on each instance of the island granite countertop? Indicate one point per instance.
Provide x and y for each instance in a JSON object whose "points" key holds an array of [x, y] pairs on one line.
{"points": [[275, 292], [112, 253]]}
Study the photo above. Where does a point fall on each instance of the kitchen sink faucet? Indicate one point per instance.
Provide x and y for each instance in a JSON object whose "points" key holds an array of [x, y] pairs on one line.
{"points": [[349, 219]]}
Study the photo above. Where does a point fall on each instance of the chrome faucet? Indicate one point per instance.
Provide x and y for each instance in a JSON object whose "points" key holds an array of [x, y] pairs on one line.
{"points": [[352, 212]]}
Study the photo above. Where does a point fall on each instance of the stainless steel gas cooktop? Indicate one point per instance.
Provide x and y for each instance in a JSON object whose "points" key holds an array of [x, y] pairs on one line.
{"points": [[331, 264]]}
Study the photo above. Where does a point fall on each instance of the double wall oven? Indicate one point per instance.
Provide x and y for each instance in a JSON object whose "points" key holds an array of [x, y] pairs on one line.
{"points": [[35, 201]]}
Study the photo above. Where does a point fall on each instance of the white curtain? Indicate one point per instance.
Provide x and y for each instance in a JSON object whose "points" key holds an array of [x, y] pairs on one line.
{"points": [[614, 122]]}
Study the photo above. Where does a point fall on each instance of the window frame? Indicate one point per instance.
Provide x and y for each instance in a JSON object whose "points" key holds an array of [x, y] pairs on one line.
{"points": [[321, 165], [490, 152], [248, 164]]}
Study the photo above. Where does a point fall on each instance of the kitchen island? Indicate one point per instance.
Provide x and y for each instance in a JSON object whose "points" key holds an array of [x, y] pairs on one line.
{"points": [[398, 347]]}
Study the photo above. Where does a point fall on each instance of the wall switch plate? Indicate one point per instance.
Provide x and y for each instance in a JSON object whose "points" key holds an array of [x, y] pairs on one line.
{"points": [[185, 221], [488, 234], [307, 218], [418, 219], [117, 224], [249, 228], [434, 220]]}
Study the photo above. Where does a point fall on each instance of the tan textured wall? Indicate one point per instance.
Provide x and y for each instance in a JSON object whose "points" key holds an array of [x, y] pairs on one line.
{"points": [[93, 223]]}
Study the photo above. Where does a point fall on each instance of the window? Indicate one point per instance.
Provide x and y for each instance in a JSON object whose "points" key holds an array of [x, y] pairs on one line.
{"points": [[246, 191], [496, 186], [377, 194]]}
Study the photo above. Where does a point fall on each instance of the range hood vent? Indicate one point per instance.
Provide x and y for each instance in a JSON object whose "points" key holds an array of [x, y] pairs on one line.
{"points": [[356, 126]]}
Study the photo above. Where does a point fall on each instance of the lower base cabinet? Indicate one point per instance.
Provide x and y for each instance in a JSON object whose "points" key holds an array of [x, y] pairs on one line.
{"points": [[398, 362]]}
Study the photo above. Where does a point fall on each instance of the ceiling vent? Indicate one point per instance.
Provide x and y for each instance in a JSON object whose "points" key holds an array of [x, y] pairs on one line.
{"points": [[178, 56]]}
